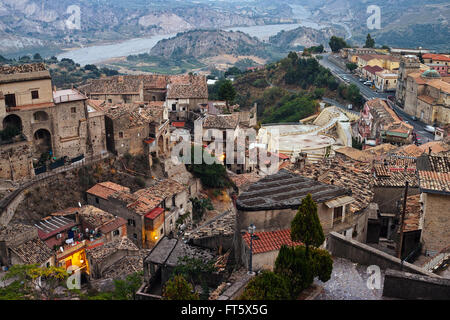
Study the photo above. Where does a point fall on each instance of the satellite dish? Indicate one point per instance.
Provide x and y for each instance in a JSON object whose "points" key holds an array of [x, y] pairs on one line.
{"points": [[79, 204], [62, 249]]}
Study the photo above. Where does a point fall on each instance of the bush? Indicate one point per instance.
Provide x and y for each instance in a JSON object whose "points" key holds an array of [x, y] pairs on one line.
{"points": [[293, 263], [267, 286]]}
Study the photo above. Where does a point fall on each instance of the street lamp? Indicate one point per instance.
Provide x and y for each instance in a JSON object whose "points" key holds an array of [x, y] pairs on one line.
{"points": [[251, 230]]}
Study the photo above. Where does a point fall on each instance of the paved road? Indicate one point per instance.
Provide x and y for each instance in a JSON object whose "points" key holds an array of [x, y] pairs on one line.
{"points": [[368, 93]]}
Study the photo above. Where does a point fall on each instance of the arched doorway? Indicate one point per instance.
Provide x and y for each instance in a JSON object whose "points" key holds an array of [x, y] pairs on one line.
{"points": [[12, 121], [40, 116], [42, 141]]}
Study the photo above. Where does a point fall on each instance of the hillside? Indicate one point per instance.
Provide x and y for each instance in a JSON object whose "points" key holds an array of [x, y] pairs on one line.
{"points": [[28, 26], [404, 23], [286, 90], [305, 37], [210, 43]]}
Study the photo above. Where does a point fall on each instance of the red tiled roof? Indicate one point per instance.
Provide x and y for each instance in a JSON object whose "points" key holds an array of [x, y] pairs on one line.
{"points": [[178, 124], [113, 225], [435, 57], [373, 69], [434, 181], [105, 189], [270, 240], [154, 213]]}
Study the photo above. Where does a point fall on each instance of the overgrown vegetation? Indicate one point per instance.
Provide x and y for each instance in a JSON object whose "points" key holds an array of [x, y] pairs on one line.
{"points": [[199, 207], [64, 72], [211, 175]]}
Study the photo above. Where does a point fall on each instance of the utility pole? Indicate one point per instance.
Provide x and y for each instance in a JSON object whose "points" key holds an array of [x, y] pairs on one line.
{"points": [[402, 220]]}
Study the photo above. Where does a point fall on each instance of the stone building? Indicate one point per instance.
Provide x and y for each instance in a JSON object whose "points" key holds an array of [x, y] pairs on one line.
{"points": [[150, 213], [272, 202], [99, 221], [380, 123], [52, 122], [180, 93], [20, 244], [102, 257], [127, 89], [137, 128], [434, 184], [185, 94], [427, 97]]}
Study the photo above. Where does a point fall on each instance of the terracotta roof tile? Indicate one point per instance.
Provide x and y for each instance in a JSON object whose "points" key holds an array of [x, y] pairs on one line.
{"points": [[270, 240], [434, 181], [105, 189]]}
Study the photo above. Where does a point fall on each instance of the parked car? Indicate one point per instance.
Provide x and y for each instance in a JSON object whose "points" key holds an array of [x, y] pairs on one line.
{"points": [[368, 83], [362, 80], [350, 107], [429, 129], [414, 118]]}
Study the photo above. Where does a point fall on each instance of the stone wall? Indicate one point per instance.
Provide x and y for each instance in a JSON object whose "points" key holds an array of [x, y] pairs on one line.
{"points": [[16, 161], [436, 222], [404, 285], [387, 197], [361, 253]]}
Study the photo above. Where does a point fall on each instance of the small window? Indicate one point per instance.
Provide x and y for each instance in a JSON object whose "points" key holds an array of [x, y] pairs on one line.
{"points": [[134, 236], [131, 222], [109, 101], [116, 233], [73, 110], [96, 200], [174, 107], [34, 94], [161, 231], [120, 134]]}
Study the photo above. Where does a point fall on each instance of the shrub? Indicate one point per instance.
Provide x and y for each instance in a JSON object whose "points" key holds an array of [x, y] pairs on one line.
{"points": [[267, 286]]}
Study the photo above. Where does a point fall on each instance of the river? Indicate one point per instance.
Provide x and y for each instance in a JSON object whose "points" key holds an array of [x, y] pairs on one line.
{"points": [[99, 53]]}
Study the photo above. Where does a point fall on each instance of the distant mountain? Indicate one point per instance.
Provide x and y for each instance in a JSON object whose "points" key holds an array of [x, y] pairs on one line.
{"points": [[26, 25], [404, 23], [210, 43], [305, 37]]}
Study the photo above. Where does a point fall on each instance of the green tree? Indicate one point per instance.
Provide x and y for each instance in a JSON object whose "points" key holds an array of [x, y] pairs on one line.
{"points": [[267, 286], [323, 264], [35, 281], [295, 265], [306, 225], [351, 66], [211, 175], [126, 289], [370, 42], [193, 269], [227, 92], [178, 288], [37, 57], [337, 44]]}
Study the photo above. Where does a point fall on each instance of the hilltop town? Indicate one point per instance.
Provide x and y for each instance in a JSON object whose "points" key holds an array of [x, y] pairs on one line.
{"points": [[98, 179]]}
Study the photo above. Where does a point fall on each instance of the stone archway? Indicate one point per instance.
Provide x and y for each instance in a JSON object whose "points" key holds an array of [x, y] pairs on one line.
{"points": [[40, 116], [13, 121], [12, 127], [42, 141]]}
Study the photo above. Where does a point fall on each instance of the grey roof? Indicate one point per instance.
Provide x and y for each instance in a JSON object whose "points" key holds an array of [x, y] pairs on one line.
{"points": [[285, 190], [161, 252], [168, 251]]}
